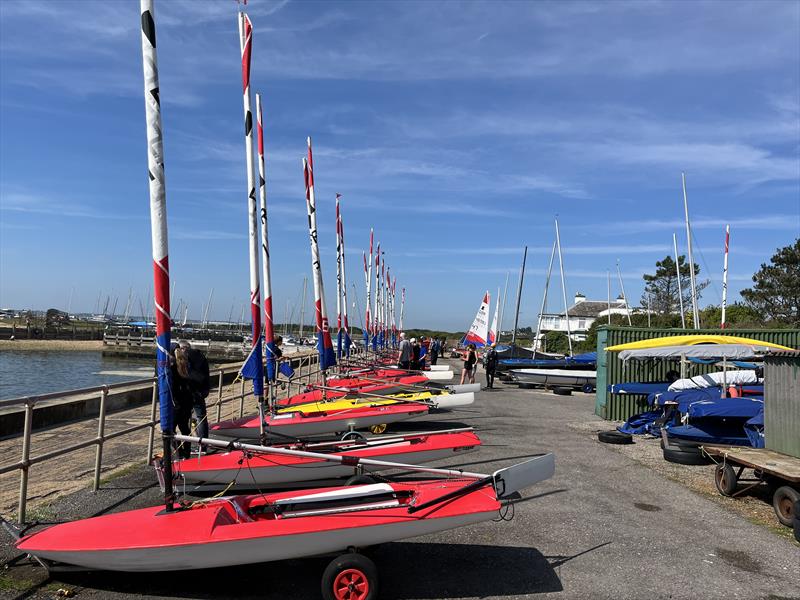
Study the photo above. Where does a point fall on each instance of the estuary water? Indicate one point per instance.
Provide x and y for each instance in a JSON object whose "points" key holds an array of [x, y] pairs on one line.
{"points": [[30, 372]]}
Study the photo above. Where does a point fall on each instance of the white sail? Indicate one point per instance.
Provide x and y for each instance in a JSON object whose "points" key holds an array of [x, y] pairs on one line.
{"points": [[492, 339], [479, 331]]}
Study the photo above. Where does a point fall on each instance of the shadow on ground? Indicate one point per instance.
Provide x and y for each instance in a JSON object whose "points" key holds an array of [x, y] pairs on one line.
{"points": [[407, 570]]}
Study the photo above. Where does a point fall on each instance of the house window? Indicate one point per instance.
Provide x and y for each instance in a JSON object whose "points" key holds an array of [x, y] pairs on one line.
{"points": [[556, 322], [581, 323]]}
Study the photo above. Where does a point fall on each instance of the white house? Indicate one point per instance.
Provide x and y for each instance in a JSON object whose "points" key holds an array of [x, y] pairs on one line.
{"points": [[581, 316]]}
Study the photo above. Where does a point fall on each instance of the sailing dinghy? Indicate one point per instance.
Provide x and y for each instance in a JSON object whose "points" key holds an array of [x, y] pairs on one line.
{"points": [[247, 469], [250, 529]]}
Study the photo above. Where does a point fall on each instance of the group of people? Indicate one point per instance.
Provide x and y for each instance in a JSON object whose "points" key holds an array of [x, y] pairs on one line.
{"points": [[471, 364], [413, 352]]}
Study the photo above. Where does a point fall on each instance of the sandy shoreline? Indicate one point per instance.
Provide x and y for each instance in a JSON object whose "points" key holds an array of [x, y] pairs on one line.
{"points": [[61, 345]]}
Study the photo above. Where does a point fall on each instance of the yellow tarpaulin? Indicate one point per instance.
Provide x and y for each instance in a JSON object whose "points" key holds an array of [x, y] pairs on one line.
{"points": [[692, 340]]}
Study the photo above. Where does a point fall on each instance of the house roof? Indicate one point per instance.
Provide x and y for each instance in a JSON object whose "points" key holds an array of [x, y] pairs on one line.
{"points": [[591, 308]]}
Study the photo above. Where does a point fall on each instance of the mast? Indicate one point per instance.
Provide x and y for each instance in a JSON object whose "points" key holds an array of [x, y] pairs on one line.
{"points": [[269, 325], [608, 275], [519, 300], [338, 285], [725, 276], [254, 360], [208, 306], [347, 341], [624, 296], [680, 287], [563, 287], [402, 307], [376, 316], [695, 315], [158, 232], [368, 275], [544, 298], [324, 343], [502, 310], [303, 307]]}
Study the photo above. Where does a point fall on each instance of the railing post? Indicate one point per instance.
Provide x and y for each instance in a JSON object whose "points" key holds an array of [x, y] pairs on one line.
{"points": [[101, 429], [151, 436], [219, 398], [26, 453]]}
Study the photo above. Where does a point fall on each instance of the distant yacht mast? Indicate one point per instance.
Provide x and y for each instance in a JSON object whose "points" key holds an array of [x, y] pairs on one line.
{"points": [[695, 315]]}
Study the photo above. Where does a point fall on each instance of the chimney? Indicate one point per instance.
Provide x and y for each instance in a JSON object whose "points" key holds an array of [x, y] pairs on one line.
{"points": [[579, 298], [621, 300]]}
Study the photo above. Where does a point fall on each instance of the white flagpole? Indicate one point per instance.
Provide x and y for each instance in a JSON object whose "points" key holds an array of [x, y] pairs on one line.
{"points": [[680, 287], [725, 276]]}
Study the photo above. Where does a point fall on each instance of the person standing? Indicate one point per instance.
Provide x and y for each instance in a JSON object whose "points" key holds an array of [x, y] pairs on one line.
{"points": [[434, 351], [181, 398], [490, 362], [195, 365], [415, 353], [404, 360], [470, 358]]}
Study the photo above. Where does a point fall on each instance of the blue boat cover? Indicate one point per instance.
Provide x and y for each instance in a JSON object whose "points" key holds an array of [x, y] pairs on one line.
{"points": [[711, 431], [588, 359], [638, 388], [754, 429], [641, 423], [732, 408]]}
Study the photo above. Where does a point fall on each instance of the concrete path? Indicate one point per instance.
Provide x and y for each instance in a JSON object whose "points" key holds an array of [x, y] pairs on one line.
{"points": [[605, 526]]}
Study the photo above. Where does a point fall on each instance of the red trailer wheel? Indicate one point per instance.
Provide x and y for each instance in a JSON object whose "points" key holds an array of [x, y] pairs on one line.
{"points": [[350, 577]]}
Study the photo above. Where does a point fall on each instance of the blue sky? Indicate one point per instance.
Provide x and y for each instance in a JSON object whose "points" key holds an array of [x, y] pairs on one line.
{"points": [[457, 130]]}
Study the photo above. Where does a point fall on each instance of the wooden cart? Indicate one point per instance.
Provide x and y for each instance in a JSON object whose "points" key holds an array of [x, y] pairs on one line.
{"points": [[780, 471]]}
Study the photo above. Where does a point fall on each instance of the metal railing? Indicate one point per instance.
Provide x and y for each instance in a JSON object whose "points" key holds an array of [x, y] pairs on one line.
{"points": [[306, 372]]}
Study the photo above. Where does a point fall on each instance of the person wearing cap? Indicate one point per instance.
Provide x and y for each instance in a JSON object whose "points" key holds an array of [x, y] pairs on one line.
{"points": [[404, 359], [415, 354]]}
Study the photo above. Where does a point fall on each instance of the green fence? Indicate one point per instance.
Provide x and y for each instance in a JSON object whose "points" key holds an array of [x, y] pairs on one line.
{"points": [[610, 369]]}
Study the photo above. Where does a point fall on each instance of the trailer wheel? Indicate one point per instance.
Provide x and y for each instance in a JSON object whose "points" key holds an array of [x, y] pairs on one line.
{"points": [[377, 429], [797, 520], [725, 479], [562, 391], [350, 577], [783, 502], [587, 388]]}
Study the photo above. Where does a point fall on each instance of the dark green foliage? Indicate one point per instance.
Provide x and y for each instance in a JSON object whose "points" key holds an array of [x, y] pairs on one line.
{"points": [[776, 293], [661, 288]]}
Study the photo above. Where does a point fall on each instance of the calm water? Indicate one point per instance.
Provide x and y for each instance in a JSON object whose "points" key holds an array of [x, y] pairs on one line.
{"points": [[28, 373]]}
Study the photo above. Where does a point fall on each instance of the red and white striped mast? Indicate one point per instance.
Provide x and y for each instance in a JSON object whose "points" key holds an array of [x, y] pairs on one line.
{"points": [[368, 276], [338, 284], [324, 345], [725, 276], [158, 232], [376, 329], [269, 330], [346, 324], [246, 46]]}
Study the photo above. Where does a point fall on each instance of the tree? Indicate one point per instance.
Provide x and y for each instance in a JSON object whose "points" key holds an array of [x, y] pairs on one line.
{"points": [[736, 315], [556, 342], [776, 293], [661, 288]]}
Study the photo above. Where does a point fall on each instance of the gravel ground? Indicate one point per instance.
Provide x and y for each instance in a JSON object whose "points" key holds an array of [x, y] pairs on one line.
{"points": [[608, 525]]}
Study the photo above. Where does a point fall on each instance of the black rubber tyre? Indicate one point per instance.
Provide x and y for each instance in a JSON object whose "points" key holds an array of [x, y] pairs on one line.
{"points": [[350, 576], [562, 391], [797, 521], [526, 386], [353, 435], [784, 501], [614, 437], [587, 388], [360, 480], [684, 456], [725, 479]]}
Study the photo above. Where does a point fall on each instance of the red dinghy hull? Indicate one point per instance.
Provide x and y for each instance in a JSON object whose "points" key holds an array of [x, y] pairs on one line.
{"points": [[298, 424], [259, 528], [249, 470]]}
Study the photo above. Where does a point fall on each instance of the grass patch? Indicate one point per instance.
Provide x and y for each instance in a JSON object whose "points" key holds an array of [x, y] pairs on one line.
{"points": [[119, 472], [9, 584]]}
